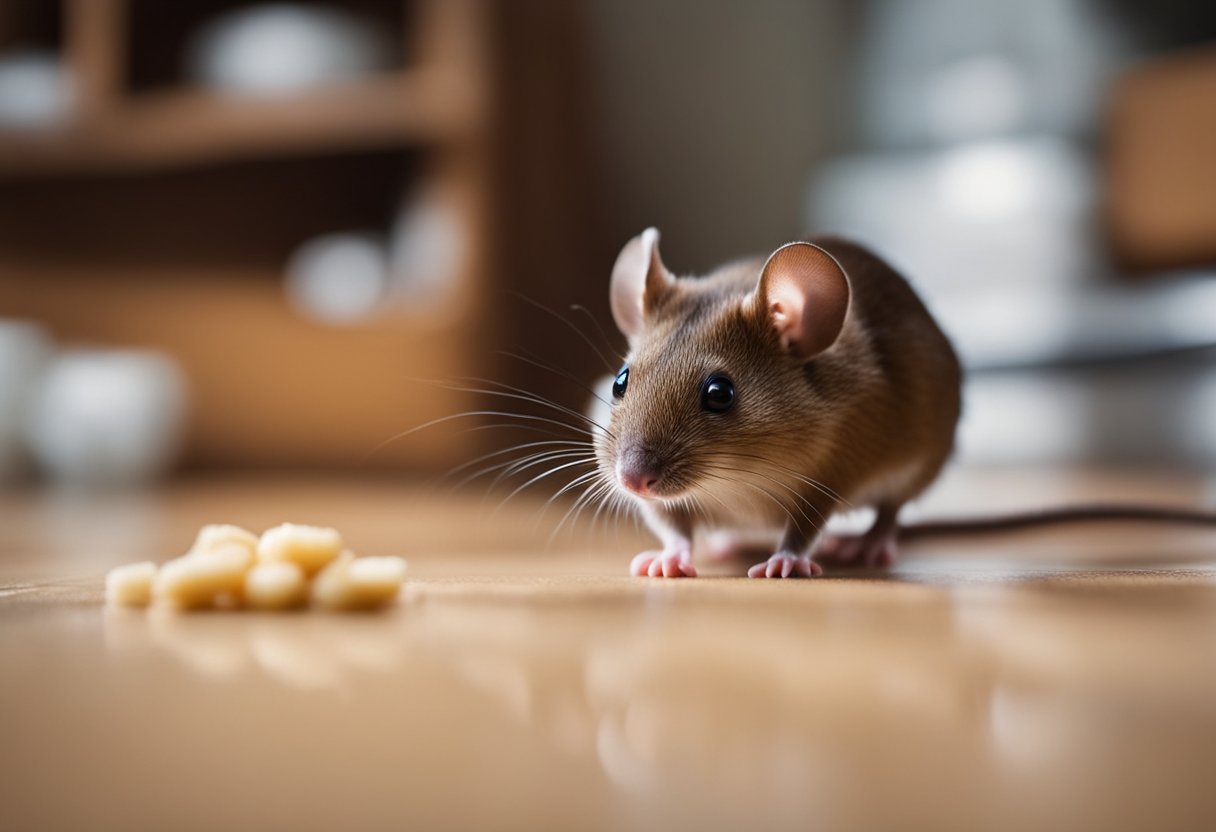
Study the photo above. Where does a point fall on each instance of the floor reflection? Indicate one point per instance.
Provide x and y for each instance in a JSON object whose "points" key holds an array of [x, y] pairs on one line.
{"points": [[868, 704], [298, 650]]}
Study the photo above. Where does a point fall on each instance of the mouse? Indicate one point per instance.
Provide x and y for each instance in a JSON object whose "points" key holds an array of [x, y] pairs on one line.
{"points": [[767, 395], [760, 399]]}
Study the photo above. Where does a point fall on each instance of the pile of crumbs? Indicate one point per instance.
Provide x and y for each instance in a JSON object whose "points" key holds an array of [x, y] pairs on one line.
{"points": [[288, 567]]}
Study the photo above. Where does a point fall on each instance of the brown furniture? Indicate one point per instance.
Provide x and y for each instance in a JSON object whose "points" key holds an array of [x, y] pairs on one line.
{"points": [[1161, 167], [162, 214]]}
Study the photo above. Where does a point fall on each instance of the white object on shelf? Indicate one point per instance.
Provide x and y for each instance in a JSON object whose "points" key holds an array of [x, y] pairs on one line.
{"points": [[1156, 413], [25, 349], [35, 89], [1028, 325], [1014, 212], [425, 245], [349, 276], [1195, 421], [339, 278], [107, 417], [275, 49], [935, 71]]}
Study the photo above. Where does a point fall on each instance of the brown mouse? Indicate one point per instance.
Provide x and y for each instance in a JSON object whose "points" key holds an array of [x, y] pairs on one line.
{"points": [[769, 394], [763, 397]]}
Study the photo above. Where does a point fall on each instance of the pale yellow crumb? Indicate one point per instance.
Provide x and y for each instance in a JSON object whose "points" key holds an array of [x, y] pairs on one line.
{"points": [[309, 547], [229, 567], [351, 583], [131, 585], [275, 585], [218, 535], [199, 580]]}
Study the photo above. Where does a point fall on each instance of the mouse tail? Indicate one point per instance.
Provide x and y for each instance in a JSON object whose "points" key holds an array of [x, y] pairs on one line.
{"points": [[1064, 515]]}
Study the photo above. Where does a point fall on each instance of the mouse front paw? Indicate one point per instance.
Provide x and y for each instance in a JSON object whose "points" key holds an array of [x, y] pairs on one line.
{"points": [[784, 565], [666, 564]]}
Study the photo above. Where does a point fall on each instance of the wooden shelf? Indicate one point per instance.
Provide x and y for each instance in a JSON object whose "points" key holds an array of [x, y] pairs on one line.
{"points": [[268, 386], [137, 221], [129, 225], [198, 127]]}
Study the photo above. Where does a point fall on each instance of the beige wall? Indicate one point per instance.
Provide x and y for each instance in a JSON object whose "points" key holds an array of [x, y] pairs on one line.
{"points": [[708, 115]]}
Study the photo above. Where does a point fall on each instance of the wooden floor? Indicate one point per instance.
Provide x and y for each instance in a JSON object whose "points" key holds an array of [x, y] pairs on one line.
{"points": [[1060, 680]]}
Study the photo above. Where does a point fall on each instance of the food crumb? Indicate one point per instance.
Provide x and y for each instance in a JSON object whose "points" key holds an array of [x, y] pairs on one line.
{"points": [[287, 567]]}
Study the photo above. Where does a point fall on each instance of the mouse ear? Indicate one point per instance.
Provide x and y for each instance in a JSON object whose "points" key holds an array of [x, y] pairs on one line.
{"points": [[639, 278], [804, 293]]}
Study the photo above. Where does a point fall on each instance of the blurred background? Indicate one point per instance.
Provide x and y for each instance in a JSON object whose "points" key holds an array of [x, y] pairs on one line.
{"points": [[239, 236]]}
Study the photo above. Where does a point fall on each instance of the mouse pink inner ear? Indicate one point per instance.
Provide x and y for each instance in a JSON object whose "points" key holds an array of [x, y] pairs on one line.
{"points": [[639, 278], [805, 294]]}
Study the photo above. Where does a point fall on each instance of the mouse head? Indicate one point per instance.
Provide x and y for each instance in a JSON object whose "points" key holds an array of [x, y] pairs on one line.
{"points": [[717, 368]]}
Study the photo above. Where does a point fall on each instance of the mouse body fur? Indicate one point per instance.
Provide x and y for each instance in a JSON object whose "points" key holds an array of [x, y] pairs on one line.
{"points": [[769, 394]]}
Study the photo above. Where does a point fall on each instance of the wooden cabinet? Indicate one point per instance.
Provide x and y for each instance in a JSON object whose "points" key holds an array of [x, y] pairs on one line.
{"points": [[161, 214]]}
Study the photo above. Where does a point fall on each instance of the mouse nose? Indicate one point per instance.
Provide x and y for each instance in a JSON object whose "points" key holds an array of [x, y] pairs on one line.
{"points": [[640, 481], [639, 473]]}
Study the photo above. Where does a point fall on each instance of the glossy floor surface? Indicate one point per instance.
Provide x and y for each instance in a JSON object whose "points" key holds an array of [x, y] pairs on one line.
{"points": [[1057, 680]]}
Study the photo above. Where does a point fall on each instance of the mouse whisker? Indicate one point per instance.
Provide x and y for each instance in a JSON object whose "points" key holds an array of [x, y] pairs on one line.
{"points": [[528, 358], [716, 498], [778, 501], [618, 505], [514, 466], [504, 471], [609, 498], [813, 483], [448, 476], [732, 483], [586, 478], [574, 483], [582, 479], [469, 414], [608, 342], [568, 444], [592, 492], [523, 395], [816, 484], [598, 491], [510, 469], [529, 395], [622, 509], [700, 508], [581, 334], [550, 472], [801, 500], [774, 497], [686, 503], [618, 508], [527, 428]]}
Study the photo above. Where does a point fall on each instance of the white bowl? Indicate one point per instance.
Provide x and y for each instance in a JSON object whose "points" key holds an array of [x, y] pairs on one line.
{"points": [[25, 350], [107, 417], [275, 49]]}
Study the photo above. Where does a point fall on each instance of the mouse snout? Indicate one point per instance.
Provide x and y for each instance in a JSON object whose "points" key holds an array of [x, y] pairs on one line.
{"points": [[639, 472]]}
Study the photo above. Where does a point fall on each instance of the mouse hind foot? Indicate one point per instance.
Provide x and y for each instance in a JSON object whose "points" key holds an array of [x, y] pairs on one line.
{"points": [[874, 549]]}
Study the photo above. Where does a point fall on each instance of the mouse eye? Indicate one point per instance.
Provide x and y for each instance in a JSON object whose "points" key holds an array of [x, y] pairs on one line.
{"points": [[717, 394], [620, 383]]}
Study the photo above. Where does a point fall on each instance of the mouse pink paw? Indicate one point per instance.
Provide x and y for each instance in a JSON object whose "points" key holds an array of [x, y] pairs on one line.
{"points": [[782, 565], [665, 564], [860, 550]]}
